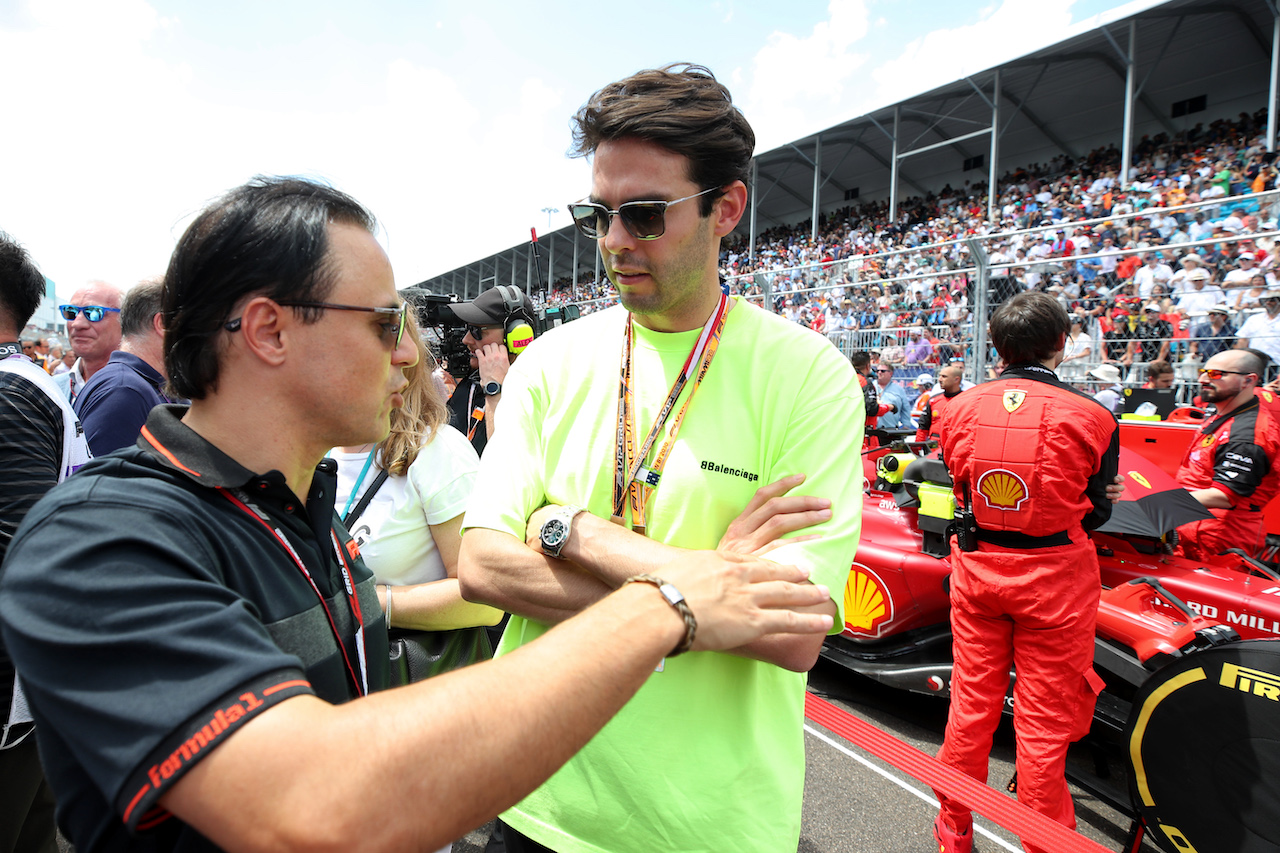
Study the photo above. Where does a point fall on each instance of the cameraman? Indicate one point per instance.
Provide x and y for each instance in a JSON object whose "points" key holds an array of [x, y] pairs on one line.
{"points": [[500, 325]]}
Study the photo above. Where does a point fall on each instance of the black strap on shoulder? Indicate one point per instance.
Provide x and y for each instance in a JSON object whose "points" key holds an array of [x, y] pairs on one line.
{"points": [[359, 508]]}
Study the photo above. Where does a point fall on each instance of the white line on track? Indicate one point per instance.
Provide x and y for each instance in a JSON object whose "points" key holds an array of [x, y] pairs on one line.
{"points": [[904, 784]]}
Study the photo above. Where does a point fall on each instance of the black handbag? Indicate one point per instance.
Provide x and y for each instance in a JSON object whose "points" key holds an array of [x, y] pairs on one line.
{"points": [[416, 655]]}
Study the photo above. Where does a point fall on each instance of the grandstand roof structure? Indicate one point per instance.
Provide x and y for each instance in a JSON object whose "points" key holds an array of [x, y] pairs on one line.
{"points": [[1184, 61]]}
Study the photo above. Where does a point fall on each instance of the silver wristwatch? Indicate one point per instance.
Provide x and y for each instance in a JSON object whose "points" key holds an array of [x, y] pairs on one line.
{"points": [[556, 529]]}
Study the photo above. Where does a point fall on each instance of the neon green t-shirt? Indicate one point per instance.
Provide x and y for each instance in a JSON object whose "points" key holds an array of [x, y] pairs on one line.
{"points": [[709, 755]]}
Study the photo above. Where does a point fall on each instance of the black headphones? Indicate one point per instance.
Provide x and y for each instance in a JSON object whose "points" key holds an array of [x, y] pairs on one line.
{"points": [[517, 327]]}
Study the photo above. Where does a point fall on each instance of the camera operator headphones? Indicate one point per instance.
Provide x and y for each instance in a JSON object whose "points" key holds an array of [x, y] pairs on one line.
{"points": [[517, 327]]}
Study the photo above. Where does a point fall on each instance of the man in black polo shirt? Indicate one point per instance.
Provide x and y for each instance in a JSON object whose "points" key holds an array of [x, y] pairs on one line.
{"points": [[196, 636]]}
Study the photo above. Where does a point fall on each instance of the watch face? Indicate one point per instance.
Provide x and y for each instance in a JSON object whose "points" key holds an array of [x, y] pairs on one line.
{"points": [[492, 388], [554, 532]]}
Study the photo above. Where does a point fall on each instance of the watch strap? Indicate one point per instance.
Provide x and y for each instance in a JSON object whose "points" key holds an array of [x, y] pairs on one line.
{"points": [[676, 599]]}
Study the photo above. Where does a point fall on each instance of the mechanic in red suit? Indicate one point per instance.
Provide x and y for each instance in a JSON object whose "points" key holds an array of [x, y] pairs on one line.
{"points": [[1032, 458], [1231, 466], [862, 366], [950, 379]]}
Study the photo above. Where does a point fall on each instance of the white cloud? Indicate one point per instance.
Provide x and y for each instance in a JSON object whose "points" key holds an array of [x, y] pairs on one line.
{"points": [[793, 78], [96, 134], [941, 56]]}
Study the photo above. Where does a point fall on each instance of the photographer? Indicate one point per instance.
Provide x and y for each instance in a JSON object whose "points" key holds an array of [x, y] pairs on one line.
{"points": [[499, 326]]}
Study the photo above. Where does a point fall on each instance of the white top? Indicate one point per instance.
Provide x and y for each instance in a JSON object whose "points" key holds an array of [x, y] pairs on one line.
{"points": [[1263, 333], [393, 532]]}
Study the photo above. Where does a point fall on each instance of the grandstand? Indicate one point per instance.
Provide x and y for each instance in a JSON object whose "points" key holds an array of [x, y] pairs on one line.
{"points": [[882, 223]]}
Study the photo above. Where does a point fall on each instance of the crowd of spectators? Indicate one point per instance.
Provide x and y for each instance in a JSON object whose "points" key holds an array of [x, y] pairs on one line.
{"points": [[905, 285]]}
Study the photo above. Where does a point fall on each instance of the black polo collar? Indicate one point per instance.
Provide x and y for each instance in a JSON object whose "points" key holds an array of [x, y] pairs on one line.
{"points": [[179, 448]]}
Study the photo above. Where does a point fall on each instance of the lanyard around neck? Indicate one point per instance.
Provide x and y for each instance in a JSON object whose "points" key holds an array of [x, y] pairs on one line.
{"points": [[631, 477], [355, 487], [359, 682]]}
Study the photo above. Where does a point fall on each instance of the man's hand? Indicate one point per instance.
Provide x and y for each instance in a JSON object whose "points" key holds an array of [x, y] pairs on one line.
{"points": [[493, 363], [770, 515], [1115, 489], [738, 599]]}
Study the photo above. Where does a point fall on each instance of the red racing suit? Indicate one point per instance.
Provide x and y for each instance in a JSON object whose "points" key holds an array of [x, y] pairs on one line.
{"points": [[1032, 457], [1236, 454], [931, 416], [871, 399]]}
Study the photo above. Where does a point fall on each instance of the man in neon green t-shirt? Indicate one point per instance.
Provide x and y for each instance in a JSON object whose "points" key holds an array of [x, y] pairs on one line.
{"points": [[718, 405]]}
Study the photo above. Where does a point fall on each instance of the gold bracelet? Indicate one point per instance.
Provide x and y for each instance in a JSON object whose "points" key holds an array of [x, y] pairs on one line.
{"points": [[676, 600]]}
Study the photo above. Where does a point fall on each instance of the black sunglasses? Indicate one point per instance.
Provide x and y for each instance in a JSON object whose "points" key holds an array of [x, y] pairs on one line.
{"points": [[644, 220], [392, 331], [477, 331], [92, 313]]}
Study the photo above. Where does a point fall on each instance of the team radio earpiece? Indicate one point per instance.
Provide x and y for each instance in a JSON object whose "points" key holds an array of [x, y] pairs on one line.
{"points": [[517, 330]]}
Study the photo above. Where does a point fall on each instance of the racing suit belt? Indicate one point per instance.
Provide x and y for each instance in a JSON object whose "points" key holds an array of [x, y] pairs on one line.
{"points": [[1023, 541]]}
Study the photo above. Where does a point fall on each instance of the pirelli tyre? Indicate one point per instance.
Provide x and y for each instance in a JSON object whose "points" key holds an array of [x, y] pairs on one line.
{"points": [[1203, 745]]}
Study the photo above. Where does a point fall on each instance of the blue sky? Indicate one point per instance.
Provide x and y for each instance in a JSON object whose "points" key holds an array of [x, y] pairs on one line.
{"points": [[450, 120]]}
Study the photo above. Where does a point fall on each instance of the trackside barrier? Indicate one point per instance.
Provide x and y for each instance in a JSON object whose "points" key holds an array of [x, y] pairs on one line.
{"points": [[1031, 826]]}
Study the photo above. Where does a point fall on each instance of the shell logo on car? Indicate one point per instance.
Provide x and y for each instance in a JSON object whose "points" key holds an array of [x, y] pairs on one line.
{"points": [[867, 604], [1002, 489]]}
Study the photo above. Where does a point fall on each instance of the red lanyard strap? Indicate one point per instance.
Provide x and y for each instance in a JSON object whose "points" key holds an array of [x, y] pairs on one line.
{"points": [[360, 682], [631, 477]]}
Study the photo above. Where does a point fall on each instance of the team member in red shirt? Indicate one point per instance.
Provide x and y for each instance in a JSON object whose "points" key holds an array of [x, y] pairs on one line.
{"points": [[950, 379], [862, 366], [1031, 458], [1231, 466]]}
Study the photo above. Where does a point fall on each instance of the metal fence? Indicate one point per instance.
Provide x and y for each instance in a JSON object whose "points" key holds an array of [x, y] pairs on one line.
{"points": [[975, 276]]}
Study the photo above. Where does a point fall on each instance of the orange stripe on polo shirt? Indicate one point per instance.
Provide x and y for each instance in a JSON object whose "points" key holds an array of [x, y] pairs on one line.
{"points": [[164, 451]]}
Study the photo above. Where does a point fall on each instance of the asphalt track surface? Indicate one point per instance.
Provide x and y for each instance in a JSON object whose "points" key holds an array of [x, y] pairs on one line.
{"points": [[855, 803]]}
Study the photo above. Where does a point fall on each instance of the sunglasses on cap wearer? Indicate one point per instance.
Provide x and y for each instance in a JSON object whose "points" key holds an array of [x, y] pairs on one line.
{"points": [[92, 313], [477, 331], [1215, 374], [392, 330], [644, 220]]}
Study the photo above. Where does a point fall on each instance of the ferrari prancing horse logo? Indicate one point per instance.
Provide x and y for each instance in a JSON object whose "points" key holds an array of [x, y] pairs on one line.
{"points": [[1013, 399]]}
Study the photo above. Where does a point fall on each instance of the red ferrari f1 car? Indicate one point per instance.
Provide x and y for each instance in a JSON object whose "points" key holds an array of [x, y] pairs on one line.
{"points": [[1186, 649]]}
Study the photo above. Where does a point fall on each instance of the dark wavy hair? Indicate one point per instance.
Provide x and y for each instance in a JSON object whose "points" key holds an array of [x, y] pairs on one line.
{"points": [[684, 109], [268, 237], [1028, 327], [21, 282]]}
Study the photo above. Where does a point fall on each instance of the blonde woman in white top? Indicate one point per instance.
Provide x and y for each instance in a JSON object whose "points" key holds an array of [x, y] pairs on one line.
{"points": [[411, 530]]}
